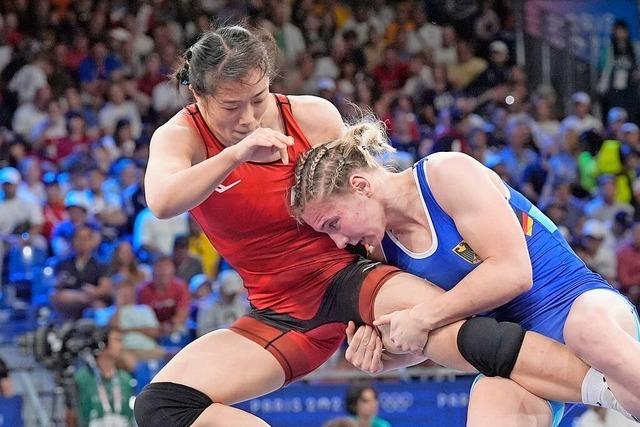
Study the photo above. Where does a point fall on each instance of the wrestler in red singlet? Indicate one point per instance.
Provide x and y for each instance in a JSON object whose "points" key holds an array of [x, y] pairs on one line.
{"points": [[287, 267]]}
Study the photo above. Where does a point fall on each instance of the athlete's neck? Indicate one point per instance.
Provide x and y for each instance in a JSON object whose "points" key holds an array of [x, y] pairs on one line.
{"points": [[401, 201]]}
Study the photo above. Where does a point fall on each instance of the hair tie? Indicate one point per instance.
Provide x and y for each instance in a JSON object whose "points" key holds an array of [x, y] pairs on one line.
{"points": [[184, 74], [188, 54]]}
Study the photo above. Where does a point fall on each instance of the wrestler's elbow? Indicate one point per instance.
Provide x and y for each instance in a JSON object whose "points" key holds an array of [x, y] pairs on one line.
{"points": [[523, 276], [159, 205]]}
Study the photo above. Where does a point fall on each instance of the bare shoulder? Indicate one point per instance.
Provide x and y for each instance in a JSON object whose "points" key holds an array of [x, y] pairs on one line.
{"points": [[319, 119], [444, 165], [449, 172], [177, 137], [457, 178]]}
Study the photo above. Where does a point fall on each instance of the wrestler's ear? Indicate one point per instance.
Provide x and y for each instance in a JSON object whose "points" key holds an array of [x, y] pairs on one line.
{"points": [[360, 184]]}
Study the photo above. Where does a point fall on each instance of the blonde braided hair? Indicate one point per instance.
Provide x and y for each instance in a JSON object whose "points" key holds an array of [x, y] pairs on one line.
{"points": [[325, 170]]}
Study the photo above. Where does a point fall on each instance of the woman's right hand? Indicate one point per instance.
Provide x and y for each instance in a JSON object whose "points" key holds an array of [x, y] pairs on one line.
{"points": [[260, 145]]}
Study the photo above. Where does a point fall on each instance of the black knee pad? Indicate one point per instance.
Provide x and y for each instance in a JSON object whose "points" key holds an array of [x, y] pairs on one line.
{"points": [[492, 347], [169, 404]]}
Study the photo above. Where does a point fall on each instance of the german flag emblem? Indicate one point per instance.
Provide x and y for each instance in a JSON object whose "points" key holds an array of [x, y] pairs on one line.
{"points": [[527, 223], [464, 251]]}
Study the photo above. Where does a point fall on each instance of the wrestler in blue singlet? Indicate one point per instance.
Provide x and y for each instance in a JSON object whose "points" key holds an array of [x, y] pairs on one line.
{"points": [[559, 275]]}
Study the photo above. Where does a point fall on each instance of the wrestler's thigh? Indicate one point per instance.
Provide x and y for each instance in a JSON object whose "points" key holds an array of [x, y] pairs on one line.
{"points": [[405, 291], [499, 402], [226, 366]]}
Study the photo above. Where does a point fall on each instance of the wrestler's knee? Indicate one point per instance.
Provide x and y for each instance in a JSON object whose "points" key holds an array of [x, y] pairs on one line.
{"points": [[594, 331], [491, 347], [498, 402], [166, 403]]}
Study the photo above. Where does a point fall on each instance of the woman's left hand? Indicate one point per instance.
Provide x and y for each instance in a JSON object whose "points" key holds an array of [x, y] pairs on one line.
{"points": [[407, 332]]}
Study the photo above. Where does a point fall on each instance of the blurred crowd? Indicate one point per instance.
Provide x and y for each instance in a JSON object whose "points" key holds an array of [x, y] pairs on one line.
{"points": [[85, 83]]}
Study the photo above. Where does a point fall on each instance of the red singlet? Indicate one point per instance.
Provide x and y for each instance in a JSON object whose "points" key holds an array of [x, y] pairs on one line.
{"points": [[285, 266]]}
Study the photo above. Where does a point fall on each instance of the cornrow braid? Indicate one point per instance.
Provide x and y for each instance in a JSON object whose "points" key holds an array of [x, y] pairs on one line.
{"points": [[324, 170], [337, 173], [296, 190], [322, 151]]}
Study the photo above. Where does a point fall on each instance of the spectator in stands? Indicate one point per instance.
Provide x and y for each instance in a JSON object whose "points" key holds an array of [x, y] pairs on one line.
{"points": [[75, 141], [166, 99], [54, 210], [619, 79], [168, 296], [30, 78], [100, 65], [30, 113], [77, 105], [562, 196], [468, 67], [518, 153], [156, 236], [589, 144], [497, 71], [32, 187], [616, 117], [103, 391], [125, 266], [186, 264], [203, 297], [106, 207], [77, 207], [17, 213], [50, 128], [152, 75], [595, 251], [621, 229], [81, 281], [451, 132], [628, 262], [228, 307], [427, 36], [581, 120], [446, 54], [138, 323], [604, 206], [78, 51], [288, 36], [487, 24], [619, 157], [6, 385], [362, 403], [118, 108], [391, 73]]}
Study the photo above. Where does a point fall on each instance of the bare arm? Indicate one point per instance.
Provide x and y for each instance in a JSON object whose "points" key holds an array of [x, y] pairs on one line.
{"points": [[489, 226], [318, 118], [180, 177], [173, 184]]}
